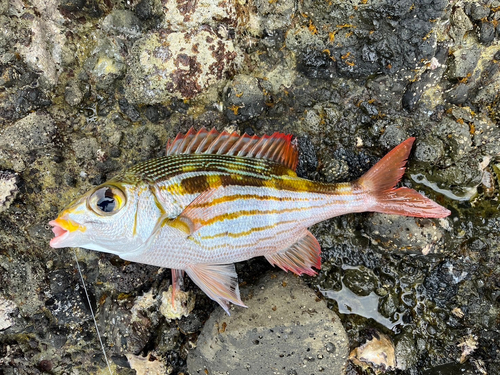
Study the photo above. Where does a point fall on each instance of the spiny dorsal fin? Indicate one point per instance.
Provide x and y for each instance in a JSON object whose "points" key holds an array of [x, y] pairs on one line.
{"points": [[277, 147]]}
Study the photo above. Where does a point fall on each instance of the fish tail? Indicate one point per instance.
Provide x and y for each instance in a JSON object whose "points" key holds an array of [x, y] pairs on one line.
{"points": [[378, 184]]}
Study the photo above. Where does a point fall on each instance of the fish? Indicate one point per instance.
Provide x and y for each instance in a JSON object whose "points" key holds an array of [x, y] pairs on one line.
{"points": [[217, 198]]}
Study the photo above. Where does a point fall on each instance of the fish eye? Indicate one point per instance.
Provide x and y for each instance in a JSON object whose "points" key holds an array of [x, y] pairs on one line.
{"points": [[107, 200]]}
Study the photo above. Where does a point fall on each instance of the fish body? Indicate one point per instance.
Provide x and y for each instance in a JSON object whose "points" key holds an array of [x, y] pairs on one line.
{"points": [[218, 198]]}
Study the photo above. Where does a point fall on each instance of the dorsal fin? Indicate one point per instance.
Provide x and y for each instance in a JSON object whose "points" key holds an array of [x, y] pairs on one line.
{"points": [[277, 147]]}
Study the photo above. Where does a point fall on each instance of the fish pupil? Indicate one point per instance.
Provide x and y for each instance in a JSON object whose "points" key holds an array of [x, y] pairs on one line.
{"points": [[107, 203]]}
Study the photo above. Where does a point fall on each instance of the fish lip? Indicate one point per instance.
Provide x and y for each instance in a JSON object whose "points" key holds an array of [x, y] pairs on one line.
{"points": [[59, 231]]}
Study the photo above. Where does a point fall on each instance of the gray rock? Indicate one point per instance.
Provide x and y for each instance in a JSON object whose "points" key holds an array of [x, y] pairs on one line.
{"points": [[479, 11], [32, 134], [361, 280], [272, 15], [429, 150], [401, 233], [179, 64], [460, 24], [106, 63], [456, 136], [73, 95], [243, 98], [86, 148], [123, 22], [285, 330], [486, 32], [394, 134], [465, 61]]}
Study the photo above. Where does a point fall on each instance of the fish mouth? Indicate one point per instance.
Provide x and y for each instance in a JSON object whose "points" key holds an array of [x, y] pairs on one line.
{"points": [[61, 229]]}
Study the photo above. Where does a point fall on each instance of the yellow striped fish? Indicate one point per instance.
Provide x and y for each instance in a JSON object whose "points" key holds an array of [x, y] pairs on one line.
{"points": [[219, 198]]}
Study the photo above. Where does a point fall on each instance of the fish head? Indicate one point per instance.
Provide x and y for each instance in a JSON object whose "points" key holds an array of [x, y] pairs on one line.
{"points": [[104, 219]]}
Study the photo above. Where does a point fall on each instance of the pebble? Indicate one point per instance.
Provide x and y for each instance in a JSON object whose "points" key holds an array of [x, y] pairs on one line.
{"points": [[286, 327]]}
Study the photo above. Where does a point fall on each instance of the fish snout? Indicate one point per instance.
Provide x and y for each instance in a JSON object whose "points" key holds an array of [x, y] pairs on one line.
{"points": [[62, 227]]}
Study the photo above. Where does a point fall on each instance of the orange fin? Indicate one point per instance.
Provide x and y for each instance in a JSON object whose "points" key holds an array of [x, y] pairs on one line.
{"points": [[300, 257], [218, 281], [278, 147], [380, 180]]}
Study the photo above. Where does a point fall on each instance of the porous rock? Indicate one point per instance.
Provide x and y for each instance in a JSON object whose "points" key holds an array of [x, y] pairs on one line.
{"points": [[285, 328], [243, 98], [188, 14], [177, 64], [391, 232], [32, 134]]}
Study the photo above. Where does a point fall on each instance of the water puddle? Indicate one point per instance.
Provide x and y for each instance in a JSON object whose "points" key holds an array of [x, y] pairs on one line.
{"points": [[466, 194], [365, 306]]}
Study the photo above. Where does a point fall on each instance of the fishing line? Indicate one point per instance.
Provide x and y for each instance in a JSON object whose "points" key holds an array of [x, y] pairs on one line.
{"points": [[92, 312]]}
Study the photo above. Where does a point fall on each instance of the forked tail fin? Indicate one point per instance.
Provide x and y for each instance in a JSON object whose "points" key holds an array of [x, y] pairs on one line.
{"points": [[379, 184]]}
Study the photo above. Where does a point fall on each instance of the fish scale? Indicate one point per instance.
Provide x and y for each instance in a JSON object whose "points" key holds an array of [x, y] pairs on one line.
{"points": [[219, 198]]}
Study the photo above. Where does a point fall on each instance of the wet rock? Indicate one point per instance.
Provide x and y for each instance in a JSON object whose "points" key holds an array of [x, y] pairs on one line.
{"points": [[149, 9], [442, 281], [7, 308], [394, 134], [243, 98], [428, 79], [185, 16], [72, 5], [308, 161], [456, 136], [360, 280], [31, 135], [406, 352], [461, 24], [464, 62], [360, 48], [408, 234], [459, 94], [106, 63], [429, 150], [464, 173], [121, 21], [86, 148], [270, 15], [8, 189], [182, 65], [73, 95], [285, 328], [486, 32], [479, 11], [43, 51]]}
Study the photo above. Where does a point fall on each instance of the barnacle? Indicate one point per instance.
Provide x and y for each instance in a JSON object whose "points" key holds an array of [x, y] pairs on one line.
{"points": [[8, 189]]}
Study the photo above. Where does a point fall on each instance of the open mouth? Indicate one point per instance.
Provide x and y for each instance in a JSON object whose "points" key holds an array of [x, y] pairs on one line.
{"points": [[59, 231]]}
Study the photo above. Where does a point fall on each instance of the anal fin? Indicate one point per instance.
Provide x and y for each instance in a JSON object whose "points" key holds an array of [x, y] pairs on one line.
{"points": [[300, 257], [218, 281]]}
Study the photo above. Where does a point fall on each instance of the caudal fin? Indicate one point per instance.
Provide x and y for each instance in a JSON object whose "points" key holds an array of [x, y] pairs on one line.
{"points": [[380, 180]]}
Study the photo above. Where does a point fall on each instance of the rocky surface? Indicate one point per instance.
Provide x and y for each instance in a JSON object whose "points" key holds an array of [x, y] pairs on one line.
{"points": [[300, 335], [88, 88]]}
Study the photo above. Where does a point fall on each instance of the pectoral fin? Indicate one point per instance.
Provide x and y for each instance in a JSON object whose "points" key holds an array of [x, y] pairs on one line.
{"points": [[218, 281], [192, 217], [300, 257]]}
